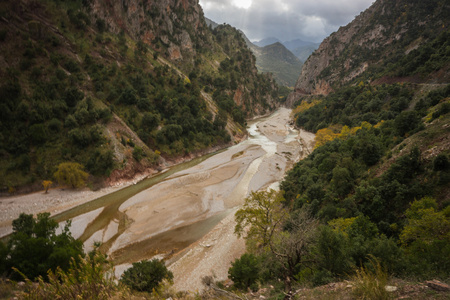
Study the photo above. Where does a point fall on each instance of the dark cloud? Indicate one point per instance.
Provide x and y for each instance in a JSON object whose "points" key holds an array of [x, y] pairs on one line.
{"points": [[311, 20]]}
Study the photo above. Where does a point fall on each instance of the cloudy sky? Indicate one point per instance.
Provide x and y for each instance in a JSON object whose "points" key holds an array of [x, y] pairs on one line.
{"points": [[310, 20]]}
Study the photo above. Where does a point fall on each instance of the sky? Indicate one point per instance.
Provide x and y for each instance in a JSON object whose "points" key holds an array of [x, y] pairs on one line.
{"points": [[309, 20]]}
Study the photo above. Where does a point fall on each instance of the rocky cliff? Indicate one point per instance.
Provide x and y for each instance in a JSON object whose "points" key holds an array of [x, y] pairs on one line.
{"points": [[383, 34]]}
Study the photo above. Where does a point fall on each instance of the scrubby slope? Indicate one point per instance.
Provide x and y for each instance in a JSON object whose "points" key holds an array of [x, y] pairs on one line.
{"points": [[117, 86]]}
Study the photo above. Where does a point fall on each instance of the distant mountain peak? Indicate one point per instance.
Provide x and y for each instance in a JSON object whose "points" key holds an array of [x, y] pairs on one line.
{"points": [[267, 41]]}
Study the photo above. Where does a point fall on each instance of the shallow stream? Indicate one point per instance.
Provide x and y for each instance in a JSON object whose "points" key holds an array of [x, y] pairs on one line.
{"points": [[166, 213]]}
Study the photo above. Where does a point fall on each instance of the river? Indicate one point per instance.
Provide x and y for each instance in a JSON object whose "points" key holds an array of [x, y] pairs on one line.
{"points": [[192, 205]]}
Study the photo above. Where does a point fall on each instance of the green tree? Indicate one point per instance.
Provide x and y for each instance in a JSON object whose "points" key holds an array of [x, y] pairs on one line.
{"points": [[263, 214], [34, 247], [426, 238], [244, 271], [146, 275], [71, 174]]}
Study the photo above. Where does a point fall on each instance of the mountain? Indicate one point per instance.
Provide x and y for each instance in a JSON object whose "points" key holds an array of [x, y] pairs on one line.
{"points": [[386, 40], [301, 49], [266, 42], [304, 52], [293, 45], [279, 61], [120, 87], [211, 23]]}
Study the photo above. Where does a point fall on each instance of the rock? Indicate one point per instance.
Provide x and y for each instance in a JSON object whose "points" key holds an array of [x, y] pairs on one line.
{"points": [[390, 288], [438, 286]]}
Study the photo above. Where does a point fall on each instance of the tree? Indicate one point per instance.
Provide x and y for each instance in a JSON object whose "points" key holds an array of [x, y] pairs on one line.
{"points": [[264, 214], [71, 174], [34, 247], [294, 247], [146, 275], [426, 237], [263, 217], [244, 271], [46, 184]]}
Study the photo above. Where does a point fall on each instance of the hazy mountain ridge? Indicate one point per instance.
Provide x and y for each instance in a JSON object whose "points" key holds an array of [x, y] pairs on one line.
{"points": [[301, 49], [118, 87], [279, 61]]}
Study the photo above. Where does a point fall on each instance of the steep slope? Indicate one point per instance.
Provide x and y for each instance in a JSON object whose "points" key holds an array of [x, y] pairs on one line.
{"points": [[118, 87], [279, 61], [301, 49], [375, 192], [303, 52], [375, 42]]}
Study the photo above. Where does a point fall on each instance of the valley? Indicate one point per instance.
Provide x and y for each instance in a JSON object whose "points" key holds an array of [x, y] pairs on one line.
{"points": [[190, 211]]}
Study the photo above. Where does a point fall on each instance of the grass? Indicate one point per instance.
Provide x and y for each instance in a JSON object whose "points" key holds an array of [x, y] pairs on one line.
{"points": [[370, 282]]}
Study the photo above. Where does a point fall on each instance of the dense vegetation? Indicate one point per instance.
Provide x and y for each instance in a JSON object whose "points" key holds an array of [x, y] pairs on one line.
{"points": [[70, 81], [370, 193], [371, 201], [34, 247]]}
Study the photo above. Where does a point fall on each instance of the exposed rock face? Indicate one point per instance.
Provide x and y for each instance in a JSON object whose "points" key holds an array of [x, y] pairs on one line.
{"points": [[174, 23], [385, 29]]}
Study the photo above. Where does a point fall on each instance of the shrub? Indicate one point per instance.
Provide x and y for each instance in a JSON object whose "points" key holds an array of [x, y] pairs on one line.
{"points": [[244, 271], [71, 174], [34, 247], [146, 275], [90, 278]]}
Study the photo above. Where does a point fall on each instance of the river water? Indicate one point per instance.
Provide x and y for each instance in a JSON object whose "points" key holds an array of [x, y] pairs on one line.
{"points": [[165, 214]]}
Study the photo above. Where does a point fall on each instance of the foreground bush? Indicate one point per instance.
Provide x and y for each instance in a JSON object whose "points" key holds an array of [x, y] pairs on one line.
{"points": [[91, 278], [34, 247], [146, 275]]}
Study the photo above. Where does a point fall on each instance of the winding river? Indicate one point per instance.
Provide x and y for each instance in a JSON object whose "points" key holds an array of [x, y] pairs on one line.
{"points": [[166, 214]]}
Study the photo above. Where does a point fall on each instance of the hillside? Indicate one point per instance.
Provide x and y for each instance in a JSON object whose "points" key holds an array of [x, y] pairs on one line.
{"points": [[370, 206], [301, 49], [118, 87], [279, 61], [405, 41]]}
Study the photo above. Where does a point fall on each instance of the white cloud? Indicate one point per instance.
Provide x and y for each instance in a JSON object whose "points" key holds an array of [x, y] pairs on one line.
{"points": [[285, 19]]}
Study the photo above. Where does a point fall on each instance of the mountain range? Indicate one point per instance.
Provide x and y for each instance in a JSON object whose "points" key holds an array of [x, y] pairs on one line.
{"points": [[301, 49]]}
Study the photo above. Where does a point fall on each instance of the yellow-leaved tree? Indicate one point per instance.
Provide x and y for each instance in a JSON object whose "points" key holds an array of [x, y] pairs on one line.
{"points": [[71, 174], [46, 184]]}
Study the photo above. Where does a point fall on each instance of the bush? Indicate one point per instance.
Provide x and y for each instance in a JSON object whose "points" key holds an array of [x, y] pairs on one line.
{"points": [[244, 271], [71, 174], [90, 278], [146, 275], [34, 247]]}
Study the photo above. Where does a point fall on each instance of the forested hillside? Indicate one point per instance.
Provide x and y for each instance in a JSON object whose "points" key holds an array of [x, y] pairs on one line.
{"points": [[372, 201], [118, 87]]}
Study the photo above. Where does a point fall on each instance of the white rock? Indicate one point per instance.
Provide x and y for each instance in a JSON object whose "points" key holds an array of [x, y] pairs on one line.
{"points": [[390, 288]]}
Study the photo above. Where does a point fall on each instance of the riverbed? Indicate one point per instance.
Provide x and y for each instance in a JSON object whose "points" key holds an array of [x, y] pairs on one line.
{"points": [[186, 215]]}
